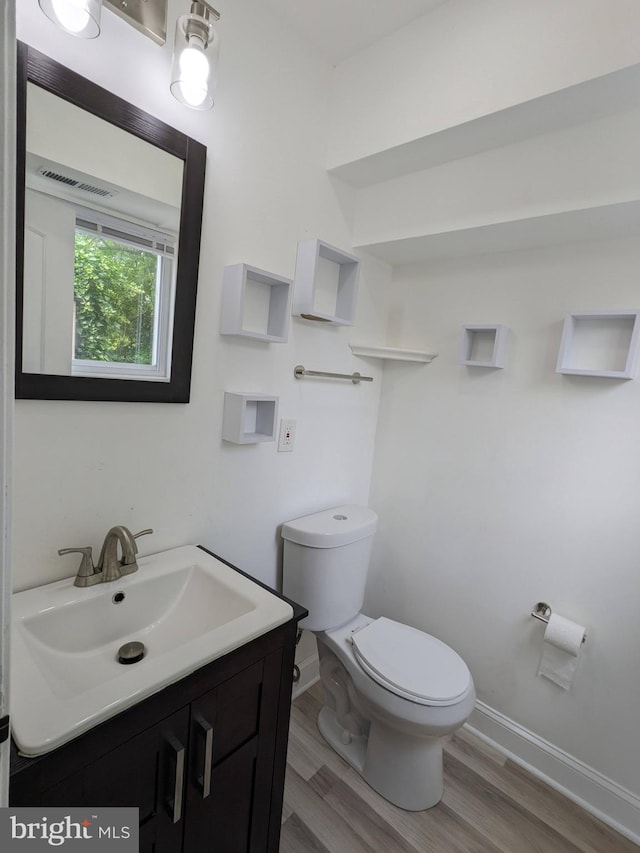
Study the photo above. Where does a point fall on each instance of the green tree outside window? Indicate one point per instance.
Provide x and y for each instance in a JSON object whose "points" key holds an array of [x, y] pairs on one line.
{"points": [[115, 295]]}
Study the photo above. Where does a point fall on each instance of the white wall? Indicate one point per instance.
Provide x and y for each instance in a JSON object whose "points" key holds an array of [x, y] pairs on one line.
{"points": [[82, 467], [467, 59], [500, 488]]}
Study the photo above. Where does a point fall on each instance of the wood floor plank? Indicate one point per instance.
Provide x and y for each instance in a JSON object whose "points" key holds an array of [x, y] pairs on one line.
{"points": [[591, 835], [297, 838], [310, 702], [306, 762], [499, 818], [465, 737], [490, 804], [585, 831], [286, 812], [328, 827], [362, 817], [437, 830], [312, 742]]}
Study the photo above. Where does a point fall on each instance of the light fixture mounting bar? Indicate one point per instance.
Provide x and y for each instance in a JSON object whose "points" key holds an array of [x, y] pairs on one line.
{"points": [[147, 16], [204, 10]]}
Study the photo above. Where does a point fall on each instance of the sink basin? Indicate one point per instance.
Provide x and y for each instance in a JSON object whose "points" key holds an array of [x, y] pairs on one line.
{"points": [[184, 605]]}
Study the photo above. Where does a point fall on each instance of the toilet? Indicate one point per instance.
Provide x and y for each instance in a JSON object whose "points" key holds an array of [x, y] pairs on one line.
{"points": [[392, 693]]}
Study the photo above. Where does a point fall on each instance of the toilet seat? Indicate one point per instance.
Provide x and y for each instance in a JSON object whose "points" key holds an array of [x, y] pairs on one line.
{"points": [[410, 663]]}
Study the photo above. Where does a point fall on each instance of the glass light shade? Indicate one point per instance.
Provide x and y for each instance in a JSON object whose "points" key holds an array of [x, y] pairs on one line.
{"points": [[195, 57], [79, 18]]}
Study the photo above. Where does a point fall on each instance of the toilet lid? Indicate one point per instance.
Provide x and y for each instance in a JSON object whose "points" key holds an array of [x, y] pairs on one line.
{"points": [[410, 663]]}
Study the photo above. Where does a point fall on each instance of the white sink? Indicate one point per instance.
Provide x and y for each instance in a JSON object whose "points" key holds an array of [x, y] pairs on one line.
{"points": [[184, 605]]}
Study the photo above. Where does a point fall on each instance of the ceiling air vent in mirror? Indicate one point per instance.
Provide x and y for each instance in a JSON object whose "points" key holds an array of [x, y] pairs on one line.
{"points": [[76, 184]]}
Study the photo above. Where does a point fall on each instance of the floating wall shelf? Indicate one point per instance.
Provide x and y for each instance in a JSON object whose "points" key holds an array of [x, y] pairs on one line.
{"points": [[599, 97], [326, 283], [600, 222], [255, 304], [249, 418], [483, 346], [600, 344], [393, 353]]}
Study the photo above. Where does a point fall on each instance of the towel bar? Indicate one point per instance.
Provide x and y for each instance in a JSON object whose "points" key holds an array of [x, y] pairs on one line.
{"points": [[299, 372]]}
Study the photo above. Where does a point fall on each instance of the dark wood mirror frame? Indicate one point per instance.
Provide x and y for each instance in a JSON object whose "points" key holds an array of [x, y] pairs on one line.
{"points": [[37, 68]]}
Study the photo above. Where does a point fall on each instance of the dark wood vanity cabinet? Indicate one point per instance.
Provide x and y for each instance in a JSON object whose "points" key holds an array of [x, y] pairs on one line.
{"points": [[203, 760]]}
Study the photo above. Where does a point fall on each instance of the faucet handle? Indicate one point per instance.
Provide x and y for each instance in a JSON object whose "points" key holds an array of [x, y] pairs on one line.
{"points": [[86, 572], [142, 533], [130, 559]]}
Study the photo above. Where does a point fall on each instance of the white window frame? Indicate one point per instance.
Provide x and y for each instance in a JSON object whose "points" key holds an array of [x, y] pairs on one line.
{"points": [[163, 245]]}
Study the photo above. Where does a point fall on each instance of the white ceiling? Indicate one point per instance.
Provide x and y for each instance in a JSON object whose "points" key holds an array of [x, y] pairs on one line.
{"points": [[341, 28]]}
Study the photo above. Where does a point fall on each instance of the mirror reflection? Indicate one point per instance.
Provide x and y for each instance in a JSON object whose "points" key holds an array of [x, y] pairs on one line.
{"points": [[110, 215], [102, 215]]}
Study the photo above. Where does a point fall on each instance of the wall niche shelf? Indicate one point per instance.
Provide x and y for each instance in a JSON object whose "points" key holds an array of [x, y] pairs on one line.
{"points": [[326, 283], [601, 343], [393, 353], [249, 418], [255, 304], [598, 222], [483, 346], [592, 99]]}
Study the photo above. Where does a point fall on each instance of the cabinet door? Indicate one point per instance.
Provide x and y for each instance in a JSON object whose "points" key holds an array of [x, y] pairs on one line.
{"points": [[146, 772], [222, 824], [225, 727]]}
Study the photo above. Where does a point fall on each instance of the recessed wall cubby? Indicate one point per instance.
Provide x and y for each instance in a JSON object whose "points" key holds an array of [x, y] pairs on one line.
{"points": [[601, 343], [326, 283], [249, 418], [483, 346], [255, 304]]}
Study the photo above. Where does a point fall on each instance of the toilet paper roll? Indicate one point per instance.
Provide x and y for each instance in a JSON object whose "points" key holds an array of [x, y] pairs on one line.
{"points": [[562, 645]]}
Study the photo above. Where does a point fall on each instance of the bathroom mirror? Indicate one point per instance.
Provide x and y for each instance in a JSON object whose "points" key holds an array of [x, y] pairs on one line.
{"points": [[109, 215]]}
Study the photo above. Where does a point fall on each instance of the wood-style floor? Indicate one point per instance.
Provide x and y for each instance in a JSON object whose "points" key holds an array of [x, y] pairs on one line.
{"points": [[490, 805]]}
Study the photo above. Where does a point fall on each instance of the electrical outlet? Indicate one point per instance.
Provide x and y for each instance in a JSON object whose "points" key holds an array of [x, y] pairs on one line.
{"points": [[287, 435]]}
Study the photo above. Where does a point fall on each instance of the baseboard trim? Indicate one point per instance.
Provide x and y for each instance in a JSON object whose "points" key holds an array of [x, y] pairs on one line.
{"points": [[309, 674], [597, 794]]}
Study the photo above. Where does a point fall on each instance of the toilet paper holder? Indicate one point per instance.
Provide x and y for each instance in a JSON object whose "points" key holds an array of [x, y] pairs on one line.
{"points": [[542, 611]]}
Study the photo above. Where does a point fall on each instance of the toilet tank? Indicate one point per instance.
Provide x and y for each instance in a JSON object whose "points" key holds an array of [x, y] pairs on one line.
{"points": [[326, 560]]}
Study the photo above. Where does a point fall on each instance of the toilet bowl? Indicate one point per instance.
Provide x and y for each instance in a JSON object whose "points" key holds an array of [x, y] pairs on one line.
{"points": [[392, 693]]}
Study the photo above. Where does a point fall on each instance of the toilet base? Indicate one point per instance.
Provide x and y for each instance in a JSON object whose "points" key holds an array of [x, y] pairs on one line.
{"points": [[403, 769], [353, 748]]}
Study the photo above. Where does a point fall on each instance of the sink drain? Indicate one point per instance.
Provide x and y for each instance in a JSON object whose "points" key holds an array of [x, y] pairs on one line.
{"points": [[131, 652]]}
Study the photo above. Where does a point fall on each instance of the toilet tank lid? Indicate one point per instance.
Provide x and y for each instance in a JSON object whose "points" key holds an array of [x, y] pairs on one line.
{"points": [[331, 527]]}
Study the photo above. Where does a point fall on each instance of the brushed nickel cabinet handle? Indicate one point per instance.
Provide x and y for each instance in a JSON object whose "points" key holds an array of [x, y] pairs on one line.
{"points": [[205, 780], [175, 801]]}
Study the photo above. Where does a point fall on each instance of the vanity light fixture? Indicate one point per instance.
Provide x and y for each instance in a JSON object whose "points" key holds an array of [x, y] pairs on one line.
{"points": [[195, 56], [82, 17], [77, 17], [195, 51]]}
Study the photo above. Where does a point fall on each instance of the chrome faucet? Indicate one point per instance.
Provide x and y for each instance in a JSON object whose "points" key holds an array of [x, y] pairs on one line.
{"points": [[109, 567]]}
